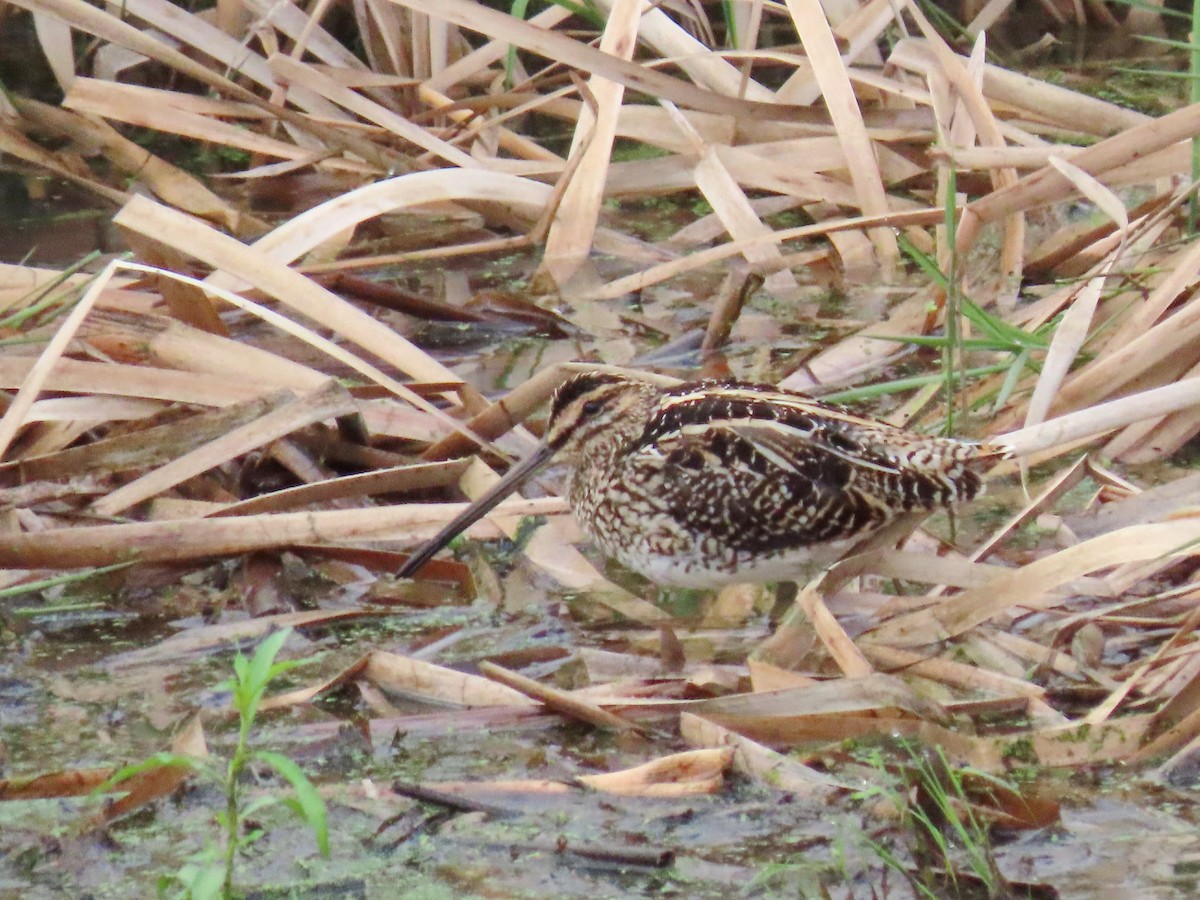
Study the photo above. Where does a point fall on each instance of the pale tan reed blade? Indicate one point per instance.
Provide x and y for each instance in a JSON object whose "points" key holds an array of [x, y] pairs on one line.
{"points": [[970, 95], [21, 285], [885, 695], [1030, 585], [732, 207], [484, 56], [311, 38], [1065, 107], [1104, 417], [219, 46], [312, 228], [957, 674], [1182, 270], [150, 446], [1048, 185], [290, 326], [167, 342], [221, 252], [569, 240], [559, 701], [306, 76], [684, 774], [858, 33], [1069, 339], [54, 38], [756, 761], [507, 140], [93, 409], [192, 31], [186, 539], [82, 377], [18, 146], [705, 68], [167, 181], [174, 113], [841, 648], [39, 372], [328, 402], [830, 72], [556, 46], [1140, 339], [987, 16], [398, 674], [504, 415]]}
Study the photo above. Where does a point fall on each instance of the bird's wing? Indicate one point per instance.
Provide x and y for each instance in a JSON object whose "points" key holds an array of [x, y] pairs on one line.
{"points": [[788, 426], [743, 488]]}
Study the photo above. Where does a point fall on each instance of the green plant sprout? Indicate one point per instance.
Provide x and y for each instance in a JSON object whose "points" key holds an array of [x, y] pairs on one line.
{"points": [[586, 10], [730, 18], [210, 873], [47, 297], [995, 335], [938, 828]]}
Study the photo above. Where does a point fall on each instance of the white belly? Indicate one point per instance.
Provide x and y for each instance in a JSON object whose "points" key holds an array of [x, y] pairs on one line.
{"points": [[700, 570]]}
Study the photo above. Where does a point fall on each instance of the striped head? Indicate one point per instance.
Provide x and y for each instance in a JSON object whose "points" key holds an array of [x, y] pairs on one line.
{"points": [[597, 412]]}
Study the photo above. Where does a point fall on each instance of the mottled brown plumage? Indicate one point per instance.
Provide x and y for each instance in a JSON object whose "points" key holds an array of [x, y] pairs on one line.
{"points": [[710, 483]]}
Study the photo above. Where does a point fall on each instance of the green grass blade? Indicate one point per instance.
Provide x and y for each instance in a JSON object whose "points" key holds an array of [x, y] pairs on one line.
{"points": [[1000, 330], [1015, 371], [1165, 42], [259, 672], [161, 760], [731, 36], [518, 10], [937, 340], [1157, 73], [48, 298], [927, 264], [1154, 8], [201, 882], [70, 577], [871, 391], [312, 807]]}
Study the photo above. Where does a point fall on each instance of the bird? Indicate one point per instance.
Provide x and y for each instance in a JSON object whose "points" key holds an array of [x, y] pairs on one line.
{"points": [[709, 483]]}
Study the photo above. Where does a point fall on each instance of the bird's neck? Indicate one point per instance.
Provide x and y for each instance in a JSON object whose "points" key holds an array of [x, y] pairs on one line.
{"points": [[593, 460]]}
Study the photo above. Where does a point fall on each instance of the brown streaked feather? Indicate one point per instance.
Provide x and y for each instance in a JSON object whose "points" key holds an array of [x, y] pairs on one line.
{"points": [[783, 423], [721, 485], [713, 482]]}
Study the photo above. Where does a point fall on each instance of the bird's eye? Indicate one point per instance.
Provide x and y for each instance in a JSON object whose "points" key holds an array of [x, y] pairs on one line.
{"points": [[592, 407]]}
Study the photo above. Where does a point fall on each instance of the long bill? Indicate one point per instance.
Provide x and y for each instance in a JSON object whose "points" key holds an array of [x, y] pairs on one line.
{"points": [[477, 510]]}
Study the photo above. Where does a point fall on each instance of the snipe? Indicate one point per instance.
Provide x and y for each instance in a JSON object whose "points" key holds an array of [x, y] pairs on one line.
{"points": [[712, 483]]}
